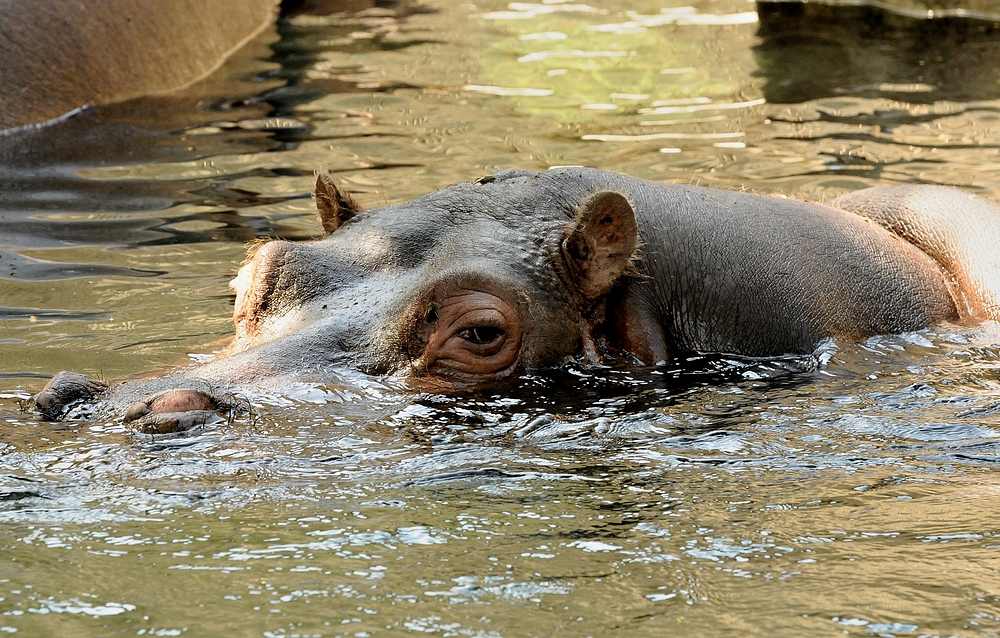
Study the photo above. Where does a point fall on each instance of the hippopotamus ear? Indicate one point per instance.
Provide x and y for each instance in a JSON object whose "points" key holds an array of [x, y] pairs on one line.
{"points": [[600, 245], [335, 206]]}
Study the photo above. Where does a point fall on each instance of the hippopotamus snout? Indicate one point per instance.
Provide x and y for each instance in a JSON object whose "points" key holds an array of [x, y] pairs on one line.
{"points": [[175, 411], [158, 412]]}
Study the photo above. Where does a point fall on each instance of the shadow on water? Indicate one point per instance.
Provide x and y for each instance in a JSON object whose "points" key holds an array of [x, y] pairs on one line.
{"points": [[811, 51]]}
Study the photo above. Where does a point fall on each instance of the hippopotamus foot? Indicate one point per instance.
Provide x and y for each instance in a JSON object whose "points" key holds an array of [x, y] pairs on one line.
{"points": [[64, 391], [176, 411]]}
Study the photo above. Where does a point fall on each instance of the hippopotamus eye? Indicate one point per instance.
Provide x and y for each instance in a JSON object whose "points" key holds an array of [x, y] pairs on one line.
{"points": [[480, 335], [470, 335]]}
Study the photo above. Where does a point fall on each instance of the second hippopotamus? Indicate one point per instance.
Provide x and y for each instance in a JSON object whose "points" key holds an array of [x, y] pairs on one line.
{"points": [[520, 270]]}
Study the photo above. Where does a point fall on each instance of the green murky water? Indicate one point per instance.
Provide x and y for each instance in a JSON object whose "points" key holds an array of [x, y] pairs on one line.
{"points": [[710, 497]]}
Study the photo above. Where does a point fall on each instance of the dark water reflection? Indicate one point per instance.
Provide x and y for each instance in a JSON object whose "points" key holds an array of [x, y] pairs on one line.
{"points": [[808, 52], [850, 492]]}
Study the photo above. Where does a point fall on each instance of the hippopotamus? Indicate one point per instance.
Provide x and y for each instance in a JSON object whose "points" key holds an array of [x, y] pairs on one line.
{"points": [[61, 55], [521, 270]]}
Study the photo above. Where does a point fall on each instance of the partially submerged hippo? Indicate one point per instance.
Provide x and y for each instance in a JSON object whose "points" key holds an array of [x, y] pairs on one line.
{"points": [[60, 55], [520, 270]]}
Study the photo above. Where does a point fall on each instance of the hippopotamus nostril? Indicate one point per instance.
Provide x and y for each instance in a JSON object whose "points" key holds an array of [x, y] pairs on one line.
{"points": [[173, 411]]}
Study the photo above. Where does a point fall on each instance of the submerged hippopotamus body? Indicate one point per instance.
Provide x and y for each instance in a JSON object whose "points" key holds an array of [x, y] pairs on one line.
{"points": [[520, 270], [61, 55]]}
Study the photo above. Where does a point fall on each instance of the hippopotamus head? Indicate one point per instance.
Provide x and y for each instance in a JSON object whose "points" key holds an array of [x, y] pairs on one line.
{"points": [[463, 286]]}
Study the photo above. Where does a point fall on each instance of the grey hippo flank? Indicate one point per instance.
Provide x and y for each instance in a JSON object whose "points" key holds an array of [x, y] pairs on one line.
{"points": [[520, 270]]}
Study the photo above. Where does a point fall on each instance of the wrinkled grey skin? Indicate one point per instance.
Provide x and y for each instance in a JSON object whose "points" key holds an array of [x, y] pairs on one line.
{"points": [[522, 270]]}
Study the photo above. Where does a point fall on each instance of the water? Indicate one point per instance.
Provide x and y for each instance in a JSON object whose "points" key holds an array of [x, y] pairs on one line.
{"points": [[850, 493]]}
